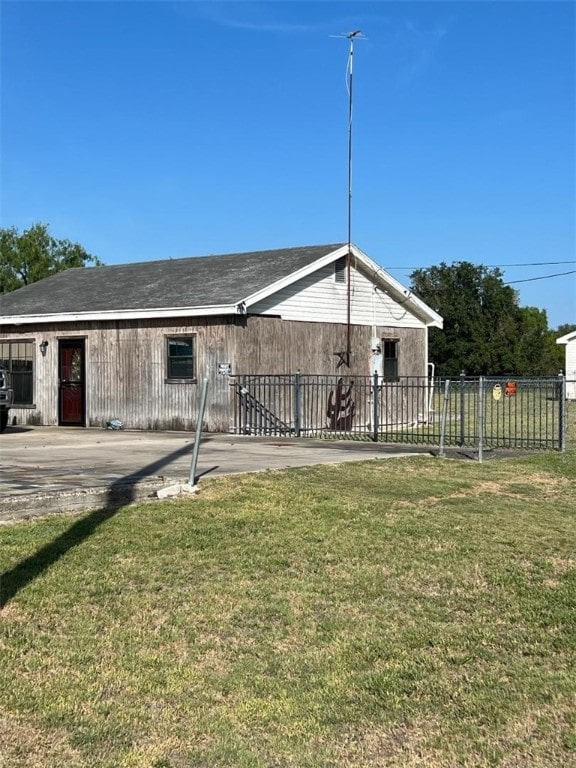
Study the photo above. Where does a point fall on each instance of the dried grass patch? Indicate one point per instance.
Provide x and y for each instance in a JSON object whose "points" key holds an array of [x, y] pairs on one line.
{"points": [[26, 743]]}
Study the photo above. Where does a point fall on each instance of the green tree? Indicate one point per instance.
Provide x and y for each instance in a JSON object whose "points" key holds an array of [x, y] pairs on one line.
{"points": [[536, 351], [562, 330], [485, 331], [481, 318], [35, 254]]}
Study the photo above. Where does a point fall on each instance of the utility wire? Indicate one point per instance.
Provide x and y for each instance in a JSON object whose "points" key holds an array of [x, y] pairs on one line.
{"points": [[535, 263], [543, 277], [524, 264]]}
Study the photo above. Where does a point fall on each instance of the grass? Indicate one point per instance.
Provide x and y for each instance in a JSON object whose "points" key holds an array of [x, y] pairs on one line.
{"points": [[531, 419], [408, 612]]}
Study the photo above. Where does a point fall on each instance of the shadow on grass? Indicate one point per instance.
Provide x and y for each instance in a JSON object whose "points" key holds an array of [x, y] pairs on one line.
{"points": [[119, 494], [12, 581]]}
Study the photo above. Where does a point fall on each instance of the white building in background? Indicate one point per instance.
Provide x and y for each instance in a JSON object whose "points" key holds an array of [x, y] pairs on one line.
{"points": [[569, 340]]}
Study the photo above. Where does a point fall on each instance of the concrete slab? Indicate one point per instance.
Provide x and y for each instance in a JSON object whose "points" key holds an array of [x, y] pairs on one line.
{"points": [[59, 469]]}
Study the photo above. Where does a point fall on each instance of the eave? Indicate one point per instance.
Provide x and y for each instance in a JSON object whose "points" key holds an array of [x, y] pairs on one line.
{"points": [[124, 314], [567, 338]]}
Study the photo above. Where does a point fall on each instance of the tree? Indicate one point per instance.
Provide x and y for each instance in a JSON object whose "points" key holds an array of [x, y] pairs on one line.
{"points": [[485, 331], [480, 318], [35, 254], [537, 351], [564, 329]]}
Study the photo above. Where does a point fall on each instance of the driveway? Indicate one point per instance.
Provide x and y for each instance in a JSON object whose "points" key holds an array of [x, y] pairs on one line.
{"points": [[56, 469]]}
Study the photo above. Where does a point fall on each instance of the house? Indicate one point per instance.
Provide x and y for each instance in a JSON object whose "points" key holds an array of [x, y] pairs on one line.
{"points": [[569, 340], [134, 341]]}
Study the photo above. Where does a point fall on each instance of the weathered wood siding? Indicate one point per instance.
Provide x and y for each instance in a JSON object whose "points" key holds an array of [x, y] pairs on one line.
{"points": [[318, 298], [126, 365], [271, 345]]}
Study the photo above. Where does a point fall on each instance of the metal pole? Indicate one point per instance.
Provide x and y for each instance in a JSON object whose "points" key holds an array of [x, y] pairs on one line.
{"points": [[443, 420], [562, 412], [350, 37], [481, 419], [462, 408], [432, 370], [198, 434], [375, 425], [297, 405]]}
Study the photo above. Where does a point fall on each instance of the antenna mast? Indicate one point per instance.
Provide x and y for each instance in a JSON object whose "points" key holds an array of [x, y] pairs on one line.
{"points": [[351, 36], [345, 356]]}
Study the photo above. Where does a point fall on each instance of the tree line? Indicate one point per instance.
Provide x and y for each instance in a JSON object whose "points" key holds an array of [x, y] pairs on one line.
{"points": [[485, 332]]}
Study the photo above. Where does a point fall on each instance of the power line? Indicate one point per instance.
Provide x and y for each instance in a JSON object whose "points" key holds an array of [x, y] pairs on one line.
{"points": [[543, 277], [524, 264], [535, 264]]}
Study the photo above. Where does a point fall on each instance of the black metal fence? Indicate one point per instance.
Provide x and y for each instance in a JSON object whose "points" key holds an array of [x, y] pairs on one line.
{"points": [[478, 413]]}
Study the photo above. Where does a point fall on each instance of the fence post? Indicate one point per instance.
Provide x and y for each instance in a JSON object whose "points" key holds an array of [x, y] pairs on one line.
{"points": [[375, 424], [297, 405], [481, 419], [462, 408], [441, 452], [244, 408], [562, 412]]}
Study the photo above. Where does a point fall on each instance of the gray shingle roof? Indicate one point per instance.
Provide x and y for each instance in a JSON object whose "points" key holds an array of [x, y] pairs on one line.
{"points": [[190, 282]]}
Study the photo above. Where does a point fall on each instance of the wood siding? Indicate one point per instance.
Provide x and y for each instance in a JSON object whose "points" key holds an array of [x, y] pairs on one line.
{"points": [[126, 365], [318, 298]]}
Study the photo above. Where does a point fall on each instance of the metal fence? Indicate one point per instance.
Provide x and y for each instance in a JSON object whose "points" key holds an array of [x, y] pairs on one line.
{"points": [[479, 413]]}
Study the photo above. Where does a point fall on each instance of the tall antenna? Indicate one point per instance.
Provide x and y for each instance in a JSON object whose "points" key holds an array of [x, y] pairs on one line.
{"points": [[351, 37]]}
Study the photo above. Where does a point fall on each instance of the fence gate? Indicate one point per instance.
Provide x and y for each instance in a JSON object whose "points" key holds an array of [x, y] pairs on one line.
{"points": [[478, 413]]}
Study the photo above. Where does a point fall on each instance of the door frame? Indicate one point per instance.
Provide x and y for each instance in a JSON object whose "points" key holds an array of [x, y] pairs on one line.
{"points": [[64, 343]]}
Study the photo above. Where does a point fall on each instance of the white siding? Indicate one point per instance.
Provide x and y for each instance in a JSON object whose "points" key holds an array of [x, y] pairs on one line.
{"points": [[571, 370], [318, 298]]}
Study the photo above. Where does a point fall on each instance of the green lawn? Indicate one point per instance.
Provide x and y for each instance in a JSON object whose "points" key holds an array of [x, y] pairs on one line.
{"points": [[408, 612]]}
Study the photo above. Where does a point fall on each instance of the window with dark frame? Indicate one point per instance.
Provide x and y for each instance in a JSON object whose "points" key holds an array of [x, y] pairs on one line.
{"points": [[180, 358], [390, 359], [18, 358]]}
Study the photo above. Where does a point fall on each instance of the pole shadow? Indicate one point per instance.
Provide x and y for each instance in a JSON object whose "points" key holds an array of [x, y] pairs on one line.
{"points": [[120, 493]]}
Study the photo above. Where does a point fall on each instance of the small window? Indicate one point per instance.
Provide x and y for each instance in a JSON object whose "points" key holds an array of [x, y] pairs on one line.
{"points": [[340, 270], [18, 358], [390, 359], [181, 359]]}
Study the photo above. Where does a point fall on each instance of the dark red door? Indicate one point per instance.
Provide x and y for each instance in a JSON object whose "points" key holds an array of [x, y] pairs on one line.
{"points": [[71, 394]]}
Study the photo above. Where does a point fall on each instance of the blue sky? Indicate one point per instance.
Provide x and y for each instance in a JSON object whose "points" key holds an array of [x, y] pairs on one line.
{"points": [[165, 129]]}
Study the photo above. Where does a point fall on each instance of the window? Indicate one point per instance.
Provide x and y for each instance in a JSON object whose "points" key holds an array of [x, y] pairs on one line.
{"points": [[18, 358], [340, 270], [390, 359], [181, 360]]}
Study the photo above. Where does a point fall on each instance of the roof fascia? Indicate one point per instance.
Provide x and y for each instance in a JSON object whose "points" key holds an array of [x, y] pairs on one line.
{"points": [[127, 314], [397, 291], [567, 338]]}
